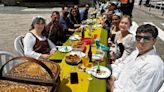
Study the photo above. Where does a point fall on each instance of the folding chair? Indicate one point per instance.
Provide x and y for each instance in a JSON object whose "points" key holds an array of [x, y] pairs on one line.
{"points": [[18, 44]]}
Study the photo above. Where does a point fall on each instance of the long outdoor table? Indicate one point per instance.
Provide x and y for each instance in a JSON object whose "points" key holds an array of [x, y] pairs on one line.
{"points": [[84, 84]]}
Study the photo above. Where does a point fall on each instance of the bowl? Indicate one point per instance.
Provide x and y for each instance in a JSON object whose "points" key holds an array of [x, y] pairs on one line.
{"points": [[72, 59]]}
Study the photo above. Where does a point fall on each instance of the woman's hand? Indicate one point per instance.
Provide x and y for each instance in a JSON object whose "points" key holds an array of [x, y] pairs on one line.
{"points": [[77, 30], [44, 56], [112, 57], [52, 52]]}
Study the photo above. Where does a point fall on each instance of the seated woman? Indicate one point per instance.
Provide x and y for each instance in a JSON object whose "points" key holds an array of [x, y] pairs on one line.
{"points": [[115, 25], [124, 41], [35, 44], [76, 7], [108, 21], [68, 27], [74, 16]]}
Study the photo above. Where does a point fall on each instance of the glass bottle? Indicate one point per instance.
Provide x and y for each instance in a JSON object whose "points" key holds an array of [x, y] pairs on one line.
{"points": [[82, 33], [90, 54]]}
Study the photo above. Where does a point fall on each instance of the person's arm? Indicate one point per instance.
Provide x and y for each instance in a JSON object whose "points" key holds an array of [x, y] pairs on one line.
{"points": [[29, 42], [119, 66], [110, 85], [147, 80], [81, 14], [73, 30], [52, 46], [129, 46]]}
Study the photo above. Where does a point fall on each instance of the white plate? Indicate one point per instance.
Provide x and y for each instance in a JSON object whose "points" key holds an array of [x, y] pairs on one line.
{"points": [[74, 37], [65, 48], [79, 53], [105, 72]]}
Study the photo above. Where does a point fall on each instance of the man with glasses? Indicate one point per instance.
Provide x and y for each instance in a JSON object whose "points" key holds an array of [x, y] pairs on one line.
{"points": [[143, 70]]}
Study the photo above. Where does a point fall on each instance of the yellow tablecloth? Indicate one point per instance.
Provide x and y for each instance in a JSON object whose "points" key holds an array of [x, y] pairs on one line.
{"points": [[84, 84]]}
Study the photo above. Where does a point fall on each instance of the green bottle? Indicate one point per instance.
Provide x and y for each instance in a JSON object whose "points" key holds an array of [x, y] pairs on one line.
{"points": [[98, 68], [66, 48]]}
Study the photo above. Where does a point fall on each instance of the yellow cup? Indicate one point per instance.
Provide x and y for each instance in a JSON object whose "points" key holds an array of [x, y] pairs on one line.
{"points": [[85, 61]]}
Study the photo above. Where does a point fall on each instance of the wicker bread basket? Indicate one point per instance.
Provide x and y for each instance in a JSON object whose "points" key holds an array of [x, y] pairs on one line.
{"points": [[30, 76]]}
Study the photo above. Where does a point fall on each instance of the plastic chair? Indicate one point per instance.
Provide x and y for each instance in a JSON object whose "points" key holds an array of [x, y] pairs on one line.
{"points": [[4, 57], [18, 44], [162, 88]]}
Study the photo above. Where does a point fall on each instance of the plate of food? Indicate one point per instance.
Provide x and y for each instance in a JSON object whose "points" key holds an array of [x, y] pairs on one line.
{"points": [[79, 46], [65, 48], [72, 59], [101, 72], [75, 37]]}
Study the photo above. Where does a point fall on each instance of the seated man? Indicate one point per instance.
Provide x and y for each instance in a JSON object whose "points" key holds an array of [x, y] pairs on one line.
{"points": [[54, 31], [142, 71], [84, 12]]}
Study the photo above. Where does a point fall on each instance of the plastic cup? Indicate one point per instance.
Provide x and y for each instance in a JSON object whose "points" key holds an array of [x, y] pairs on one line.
{"points": [[95, 36], [97, 44], [85, 61]]}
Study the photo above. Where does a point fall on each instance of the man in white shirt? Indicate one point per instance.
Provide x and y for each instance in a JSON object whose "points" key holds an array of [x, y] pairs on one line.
{"points": [[143, 70]]}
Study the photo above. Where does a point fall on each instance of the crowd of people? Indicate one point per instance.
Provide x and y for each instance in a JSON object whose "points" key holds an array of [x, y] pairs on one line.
{"points": [[41, 40], [136, 67]]}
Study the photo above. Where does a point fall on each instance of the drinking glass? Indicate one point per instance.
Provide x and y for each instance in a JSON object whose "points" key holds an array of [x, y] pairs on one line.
{"points": [[85, 61]]}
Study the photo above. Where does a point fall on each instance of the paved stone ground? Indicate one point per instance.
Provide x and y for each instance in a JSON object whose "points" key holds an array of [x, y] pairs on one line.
{"points": [[153, 11]]}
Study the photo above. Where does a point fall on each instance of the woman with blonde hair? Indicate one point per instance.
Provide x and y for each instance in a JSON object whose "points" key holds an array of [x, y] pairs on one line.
{"points": [[124, 40]]}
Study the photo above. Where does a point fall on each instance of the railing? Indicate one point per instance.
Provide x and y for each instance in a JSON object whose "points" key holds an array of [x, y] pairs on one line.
{"points": [[153, 5], [158, 4]]}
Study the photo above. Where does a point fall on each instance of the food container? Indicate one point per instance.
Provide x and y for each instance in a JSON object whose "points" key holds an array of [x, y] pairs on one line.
{"points": [[30, 76]]}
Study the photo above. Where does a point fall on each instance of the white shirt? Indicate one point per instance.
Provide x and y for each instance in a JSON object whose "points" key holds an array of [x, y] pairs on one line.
{"points": [[129, 45], [29, 42], [144, 73]]}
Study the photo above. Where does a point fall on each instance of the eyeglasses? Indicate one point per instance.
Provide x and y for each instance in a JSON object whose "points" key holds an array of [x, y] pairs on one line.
{"points": [[145, 38]]}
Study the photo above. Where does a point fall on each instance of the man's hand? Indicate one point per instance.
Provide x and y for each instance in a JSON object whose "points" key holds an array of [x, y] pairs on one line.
{"points": [[111, 83]]}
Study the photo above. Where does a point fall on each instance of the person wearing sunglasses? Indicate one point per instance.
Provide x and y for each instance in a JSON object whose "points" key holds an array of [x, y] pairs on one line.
{"points": [[143, 70], [35, 44]]}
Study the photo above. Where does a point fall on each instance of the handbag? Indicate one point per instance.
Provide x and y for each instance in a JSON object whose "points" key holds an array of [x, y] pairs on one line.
{"points": [[31, 75]]}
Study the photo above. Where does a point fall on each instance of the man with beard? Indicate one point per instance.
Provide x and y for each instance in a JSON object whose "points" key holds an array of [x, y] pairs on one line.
{"points": [[54, 31]]}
